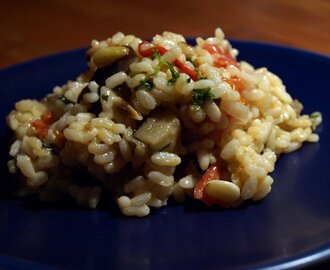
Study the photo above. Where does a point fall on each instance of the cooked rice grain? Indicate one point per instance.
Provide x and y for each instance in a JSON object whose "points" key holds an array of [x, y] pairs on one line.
{"points": [[211, 111]]}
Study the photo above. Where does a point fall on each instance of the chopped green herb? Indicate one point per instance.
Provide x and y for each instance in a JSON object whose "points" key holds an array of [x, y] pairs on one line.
{"points": [[146, 84], [105, 97], [50, 147], [171, 81], [188, 80], [65, 100], [199, 96], [175, 74], [156, 55], [44, 145]]}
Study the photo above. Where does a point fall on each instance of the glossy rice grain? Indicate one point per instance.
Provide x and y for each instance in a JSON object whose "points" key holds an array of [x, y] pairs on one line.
{"points": [[147, 121]]}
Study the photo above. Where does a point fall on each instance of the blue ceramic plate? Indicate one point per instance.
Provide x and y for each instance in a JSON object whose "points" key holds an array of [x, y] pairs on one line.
{"points": [[290, 228]]}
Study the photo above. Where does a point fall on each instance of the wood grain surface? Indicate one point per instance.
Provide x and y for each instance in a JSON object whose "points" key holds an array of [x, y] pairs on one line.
{"points": [[34, 28]]}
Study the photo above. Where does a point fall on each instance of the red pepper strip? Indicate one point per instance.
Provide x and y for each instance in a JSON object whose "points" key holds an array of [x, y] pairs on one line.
{"points": [[212, 173], [43, 124], [190, 72], [149, 51], [223, 59]]}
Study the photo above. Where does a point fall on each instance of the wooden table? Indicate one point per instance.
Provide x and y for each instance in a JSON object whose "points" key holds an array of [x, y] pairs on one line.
{"points": [[34, 28]]}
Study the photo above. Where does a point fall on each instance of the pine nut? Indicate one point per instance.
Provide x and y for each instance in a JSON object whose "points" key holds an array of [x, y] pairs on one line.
{"points": [[106, 56], [222, 190]]}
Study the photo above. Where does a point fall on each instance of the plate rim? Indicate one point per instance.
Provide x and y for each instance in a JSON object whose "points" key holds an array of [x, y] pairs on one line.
{"points": [[309, 258]]}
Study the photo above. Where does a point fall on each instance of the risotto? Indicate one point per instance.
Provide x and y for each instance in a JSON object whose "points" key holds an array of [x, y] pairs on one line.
{"points": [[159, 119]]}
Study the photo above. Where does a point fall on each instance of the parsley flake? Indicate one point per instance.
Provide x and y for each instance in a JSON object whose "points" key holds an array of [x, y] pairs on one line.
{"points": [[174, 73], [146, 84], [65, 100], [200, 96]]}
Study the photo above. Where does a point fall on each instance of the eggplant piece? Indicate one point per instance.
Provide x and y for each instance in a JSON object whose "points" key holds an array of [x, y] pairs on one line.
{"points": [[122, 64], [103, 73], [160, 131], [84, 91]]}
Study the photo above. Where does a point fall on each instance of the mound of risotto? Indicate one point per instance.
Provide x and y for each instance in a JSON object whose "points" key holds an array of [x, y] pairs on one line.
{"points": [[154, 120]]}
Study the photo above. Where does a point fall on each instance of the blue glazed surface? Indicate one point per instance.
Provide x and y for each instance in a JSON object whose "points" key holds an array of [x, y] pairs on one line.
{"points": [[290, 228]]}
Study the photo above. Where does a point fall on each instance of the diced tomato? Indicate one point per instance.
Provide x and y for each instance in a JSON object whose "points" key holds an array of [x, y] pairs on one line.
{"points": [[146, 49], [212, 173], [222, 58], [47, 118], [41, 126], [237, 84], [225, 60], [212, 49]]}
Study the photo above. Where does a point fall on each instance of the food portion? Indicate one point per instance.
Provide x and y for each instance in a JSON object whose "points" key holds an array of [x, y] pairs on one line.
{"points": [[153, 120]]}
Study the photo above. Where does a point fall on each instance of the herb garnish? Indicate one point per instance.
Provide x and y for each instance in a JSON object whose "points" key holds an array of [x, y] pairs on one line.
{"points": [[175, 74], [155, 55], [199, 96], [44, 145], [146, 83], [65, 100]]}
